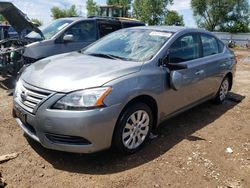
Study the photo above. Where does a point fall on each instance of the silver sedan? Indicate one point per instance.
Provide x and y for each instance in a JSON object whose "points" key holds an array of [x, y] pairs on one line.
{"points": [[116, 91]]}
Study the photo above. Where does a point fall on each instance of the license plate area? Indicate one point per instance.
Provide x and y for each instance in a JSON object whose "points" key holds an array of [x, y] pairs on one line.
{"points": [[21, 115]]}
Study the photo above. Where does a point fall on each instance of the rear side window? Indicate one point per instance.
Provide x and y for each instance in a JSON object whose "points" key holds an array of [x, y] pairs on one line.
{"points": [[185, 48], [210, 45], [106, 28]]}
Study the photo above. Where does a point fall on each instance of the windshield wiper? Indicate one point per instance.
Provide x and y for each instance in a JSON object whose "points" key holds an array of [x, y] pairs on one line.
{"points": [[110, 56], [117, 57]]}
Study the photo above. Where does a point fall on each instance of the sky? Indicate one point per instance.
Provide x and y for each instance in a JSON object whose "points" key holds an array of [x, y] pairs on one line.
{"points": [[40, 9]]}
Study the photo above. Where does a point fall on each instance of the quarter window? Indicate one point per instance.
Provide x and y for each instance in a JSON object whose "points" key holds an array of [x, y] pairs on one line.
{"points": [[210, 45], [184, 49], [221, 46]]}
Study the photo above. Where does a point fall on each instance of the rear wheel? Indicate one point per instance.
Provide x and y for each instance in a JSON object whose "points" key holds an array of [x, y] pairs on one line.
{"points": [[133, 128], [223, 91]]}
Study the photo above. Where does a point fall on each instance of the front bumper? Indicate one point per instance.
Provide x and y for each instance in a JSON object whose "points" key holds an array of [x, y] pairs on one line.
{"points": [[67, 130]]}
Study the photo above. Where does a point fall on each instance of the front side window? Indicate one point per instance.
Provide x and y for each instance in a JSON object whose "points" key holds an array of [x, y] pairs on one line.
{"points": [[184, 49], [210, 45], [83, 31], [130, 44]]}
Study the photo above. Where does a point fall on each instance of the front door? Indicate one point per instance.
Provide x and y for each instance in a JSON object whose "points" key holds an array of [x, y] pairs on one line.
{"points": [[84, 33], [215, 62], [185, 84]]}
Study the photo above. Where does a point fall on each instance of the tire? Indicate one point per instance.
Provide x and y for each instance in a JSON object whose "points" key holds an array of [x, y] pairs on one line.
{"points": [[133, 128], [223, 91]]}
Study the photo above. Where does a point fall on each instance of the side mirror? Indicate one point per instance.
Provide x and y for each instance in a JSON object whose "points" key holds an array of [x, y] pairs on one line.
{"points": [[176, 80], [68, 38], [164, 61]]}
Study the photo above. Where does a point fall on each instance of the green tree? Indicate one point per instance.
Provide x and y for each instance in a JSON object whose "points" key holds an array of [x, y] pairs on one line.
{"points": [[62, 13], [36, 21], [2, 19], [91, 7], [173, 18], [151, 12], [239, 19], [220, 14], [236, 27], [209, 13], [123, 3]]}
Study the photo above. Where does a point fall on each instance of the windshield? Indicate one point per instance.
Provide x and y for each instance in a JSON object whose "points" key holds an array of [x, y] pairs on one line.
{"points": [[50, 30], [130, 44]]}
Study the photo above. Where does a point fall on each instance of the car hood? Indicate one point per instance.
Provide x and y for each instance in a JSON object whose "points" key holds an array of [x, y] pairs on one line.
{"points": [[74, 71], [17, 19]]}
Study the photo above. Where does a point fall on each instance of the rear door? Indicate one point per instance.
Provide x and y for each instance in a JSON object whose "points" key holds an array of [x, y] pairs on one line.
{"points": [[214, 62], [106, 27]]}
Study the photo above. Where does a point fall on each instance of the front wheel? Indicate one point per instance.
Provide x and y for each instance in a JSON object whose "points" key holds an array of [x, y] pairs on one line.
{"points": [[223, 91], [133, 128]]}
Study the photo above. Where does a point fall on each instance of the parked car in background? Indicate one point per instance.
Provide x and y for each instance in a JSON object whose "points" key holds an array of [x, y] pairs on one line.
{"points": [[12, 33], [7, 31], [120, 88], [71, 34], [60, 36], [4, 31]]}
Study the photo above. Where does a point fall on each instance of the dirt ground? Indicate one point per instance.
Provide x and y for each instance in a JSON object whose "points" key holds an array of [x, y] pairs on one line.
{"points": [[190, 150]]}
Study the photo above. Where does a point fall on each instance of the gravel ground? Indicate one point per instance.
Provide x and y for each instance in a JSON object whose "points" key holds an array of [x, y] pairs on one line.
{"points": [[207, 146]]}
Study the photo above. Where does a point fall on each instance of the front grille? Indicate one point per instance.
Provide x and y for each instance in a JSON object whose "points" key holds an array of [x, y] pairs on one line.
{"points": [[30, 97], [70, 140]]}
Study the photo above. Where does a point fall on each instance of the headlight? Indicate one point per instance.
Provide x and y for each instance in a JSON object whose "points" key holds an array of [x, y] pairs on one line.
{"points": [[80, 100], [18, 88]]}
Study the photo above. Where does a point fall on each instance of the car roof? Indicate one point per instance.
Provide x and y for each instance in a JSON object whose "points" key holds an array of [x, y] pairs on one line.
{"points": [[101, 18], [172, 29], [73, 19]]}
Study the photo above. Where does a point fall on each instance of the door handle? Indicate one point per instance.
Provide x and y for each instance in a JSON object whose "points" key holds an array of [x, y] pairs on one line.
{"points": [[199, 72]]}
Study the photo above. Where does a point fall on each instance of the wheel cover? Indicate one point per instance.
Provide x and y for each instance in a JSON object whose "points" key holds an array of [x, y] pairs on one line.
{"points": [[136, 129], [224, 89]]}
